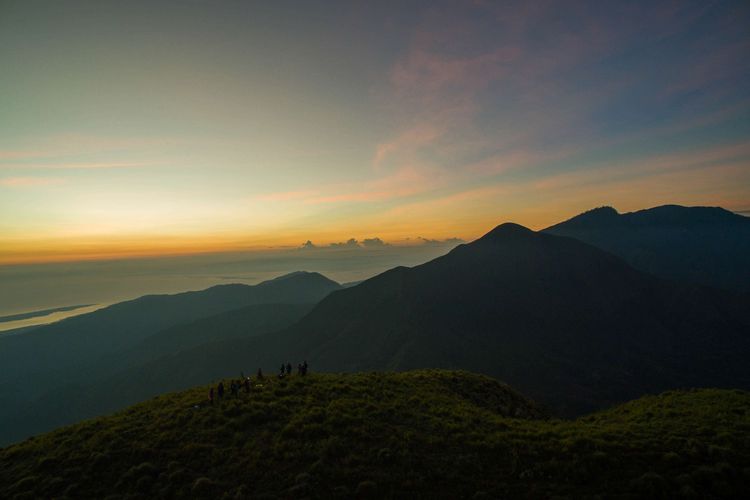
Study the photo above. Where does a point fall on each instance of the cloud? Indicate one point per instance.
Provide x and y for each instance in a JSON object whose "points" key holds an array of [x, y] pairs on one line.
{"points": [[288, 195], [350, 243], [494, 96], [20, 155], [373, 242], [77, 165], [519, 86], [653, 165], [27, 182], [79, 152], [400, 183]]}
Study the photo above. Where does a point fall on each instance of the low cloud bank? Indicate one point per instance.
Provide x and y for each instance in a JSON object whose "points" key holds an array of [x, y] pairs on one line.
{"points": [[376, 242]]}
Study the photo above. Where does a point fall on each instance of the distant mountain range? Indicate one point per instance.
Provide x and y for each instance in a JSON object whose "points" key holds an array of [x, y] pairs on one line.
{"points": [[569, 323], [707, 245], [45, 369]]}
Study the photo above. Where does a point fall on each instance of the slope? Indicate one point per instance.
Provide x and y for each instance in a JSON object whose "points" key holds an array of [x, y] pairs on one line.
{"points": [[572, 326], [425, 434], [122, 325], [84, 351]]}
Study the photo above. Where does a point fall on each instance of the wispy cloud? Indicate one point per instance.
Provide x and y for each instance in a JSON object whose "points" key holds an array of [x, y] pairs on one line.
{"points": [[28, 182], [11, 155], [77, 165], [288, 195], [403, 182], [614, 171], [514, 96], [77, 152], [518, 61]]}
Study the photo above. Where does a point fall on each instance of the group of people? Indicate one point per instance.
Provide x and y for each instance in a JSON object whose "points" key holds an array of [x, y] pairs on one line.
{"points": [[235, 386], [243, 384], [286, 369]]}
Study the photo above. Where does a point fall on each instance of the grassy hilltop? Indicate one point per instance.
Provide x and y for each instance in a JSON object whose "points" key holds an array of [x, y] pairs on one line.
{"points": [[415, 434]]}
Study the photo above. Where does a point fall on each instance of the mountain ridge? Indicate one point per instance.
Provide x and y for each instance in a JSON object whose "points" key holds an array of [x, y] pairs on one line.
{"points": [[702, 245], [571, 325], [89, 348]]}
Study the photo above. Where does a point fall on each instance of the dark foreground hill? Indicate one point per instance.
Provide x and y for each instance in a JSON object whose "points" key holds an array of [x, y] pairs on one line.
{"points": [[425, 434], [570, 325], [707, 245], [48, 371]]}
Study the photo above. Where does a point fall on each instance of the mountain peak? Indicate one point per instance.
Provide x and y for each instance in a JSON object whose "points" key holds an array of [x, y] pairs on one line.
{"points": [[293, 274], [677, 214], [507, 230], [596, 216], [299, 276], [604, 211]]}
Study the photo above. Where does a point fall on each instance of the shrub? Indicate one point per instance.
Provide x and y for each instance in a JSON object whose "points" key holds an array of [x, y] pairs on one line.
{"points": [[671, 458], [27, 483], [366, 489], [650, 484], [203, 486]]}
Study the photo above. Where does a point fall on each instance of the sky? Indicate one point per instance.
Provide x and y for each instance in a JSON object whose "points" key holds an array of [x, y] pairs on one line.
{"points": [[38, 287], [151, 128]]}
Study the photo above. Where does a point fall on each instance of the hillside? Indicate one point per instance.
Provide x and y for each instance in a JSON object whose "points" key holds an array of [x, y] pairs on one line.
{"points": [[425, 433], [204, 350], [44, 369], [77, 339], [707, 245], [572, 326]]}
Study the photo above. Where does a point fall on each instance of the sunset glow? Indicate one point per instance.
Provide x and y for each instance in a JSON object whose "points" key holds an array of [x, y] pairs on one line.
{"points": [[155, 128]]}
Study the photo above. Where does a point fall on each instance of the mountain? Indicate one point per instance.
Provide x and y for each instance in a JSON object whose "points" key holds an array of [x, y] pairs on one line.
{"points": [[43, 367], [703, 245], [114, 328], [421, 434], [572, 326], [174, 359], [246, 321]]}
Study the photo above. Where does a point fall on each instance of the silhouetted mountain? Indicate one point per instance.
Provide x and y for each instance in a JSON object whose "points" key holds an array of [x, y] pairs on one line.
{"points": [[75, 340], [704, 245], [42, 312], [85, 350], [571, 325]]}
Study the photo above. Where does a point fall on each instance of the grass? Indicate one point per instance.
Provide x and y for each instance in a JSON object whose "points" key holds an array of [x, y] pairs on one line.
{"points": [[421, 434]]}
